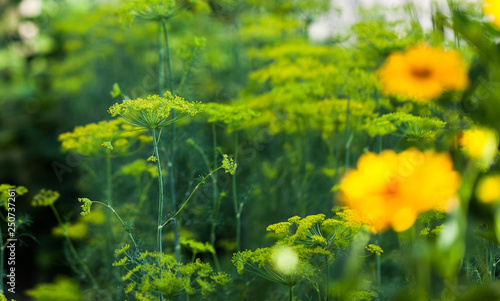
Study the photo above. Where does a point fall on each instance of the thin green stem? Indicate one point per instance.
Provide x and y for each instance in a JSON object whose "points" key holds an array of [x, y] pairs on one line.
{"points": [[237, 206], [73, 250], [169, 57], [176, 230], [161, 61], [216, 204], [327, 278], [379, 137], [2, 253], [290, 294], [109, 232], [119, 218], [347, 139], [189, 198], [216, 199], [160, 190], [160, 197], [186, 73]]}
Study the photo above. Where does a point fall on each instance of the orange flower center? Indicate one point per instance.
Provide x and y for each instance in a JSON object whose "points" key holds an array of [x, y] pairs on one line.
{"points": [[392, 188], [421, 73]]}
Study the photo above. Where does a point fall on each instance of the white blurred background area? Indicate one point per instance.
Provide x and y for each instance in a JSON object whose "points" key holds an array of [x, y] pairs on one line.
{"points": [[345, 13]]}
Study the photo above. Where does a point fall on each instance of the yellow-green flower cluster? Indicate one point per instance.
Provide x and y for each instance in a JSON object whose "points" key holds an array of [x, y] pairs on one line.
{"points": [[304, 229], [235, 116], [317, 234], [161, 272], [375, 249], [153, 10], [85, 206], [282, 264], [196, 246], [122, 250], [45, 198], [120, 262], [154, 111], [4, 192], [290, 260], [229, 165], [89, 140]]}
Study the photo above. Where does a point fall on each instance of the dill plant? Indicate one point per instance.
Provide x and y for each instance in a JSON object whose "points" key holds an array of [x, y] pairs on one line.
{"points": [[47, 198], [311, 238], [234, 117], [324, 107], [154, 113]]}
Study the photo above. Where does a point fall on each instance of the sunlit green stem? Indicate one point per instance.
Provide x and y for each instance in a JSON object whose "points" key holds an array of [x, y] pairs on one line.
{"points": [[119, 218], [73, 250], [189, 198]]}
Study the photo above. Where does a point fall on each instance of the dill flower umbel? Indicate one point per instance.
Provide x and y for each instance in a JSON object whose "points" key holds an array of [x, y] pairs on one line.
{"points": [[390, 190], [492, 10], [154, 111], [423, 73]]}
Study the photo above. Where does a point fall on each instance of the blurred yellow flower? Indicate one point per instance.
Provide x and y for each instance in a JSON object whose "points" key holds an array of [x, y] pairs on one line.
{"points": [[492, 9], [488, 189], [480, 144], [390, 190], [423, 73]]}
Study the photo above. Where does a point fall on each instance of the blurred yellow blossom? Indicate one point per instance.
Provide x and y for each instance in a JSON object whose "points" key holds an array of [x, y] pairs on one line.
{"points": [[492, 10], [480, 144], [390, 190], [423, 73], [77, 230], [488, 189], [92, 139]]}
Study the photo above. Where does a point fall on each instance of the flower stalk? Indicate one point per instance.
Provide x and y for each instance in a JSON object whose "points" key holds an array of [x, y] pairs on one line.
{"points": [[73, 251]]}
